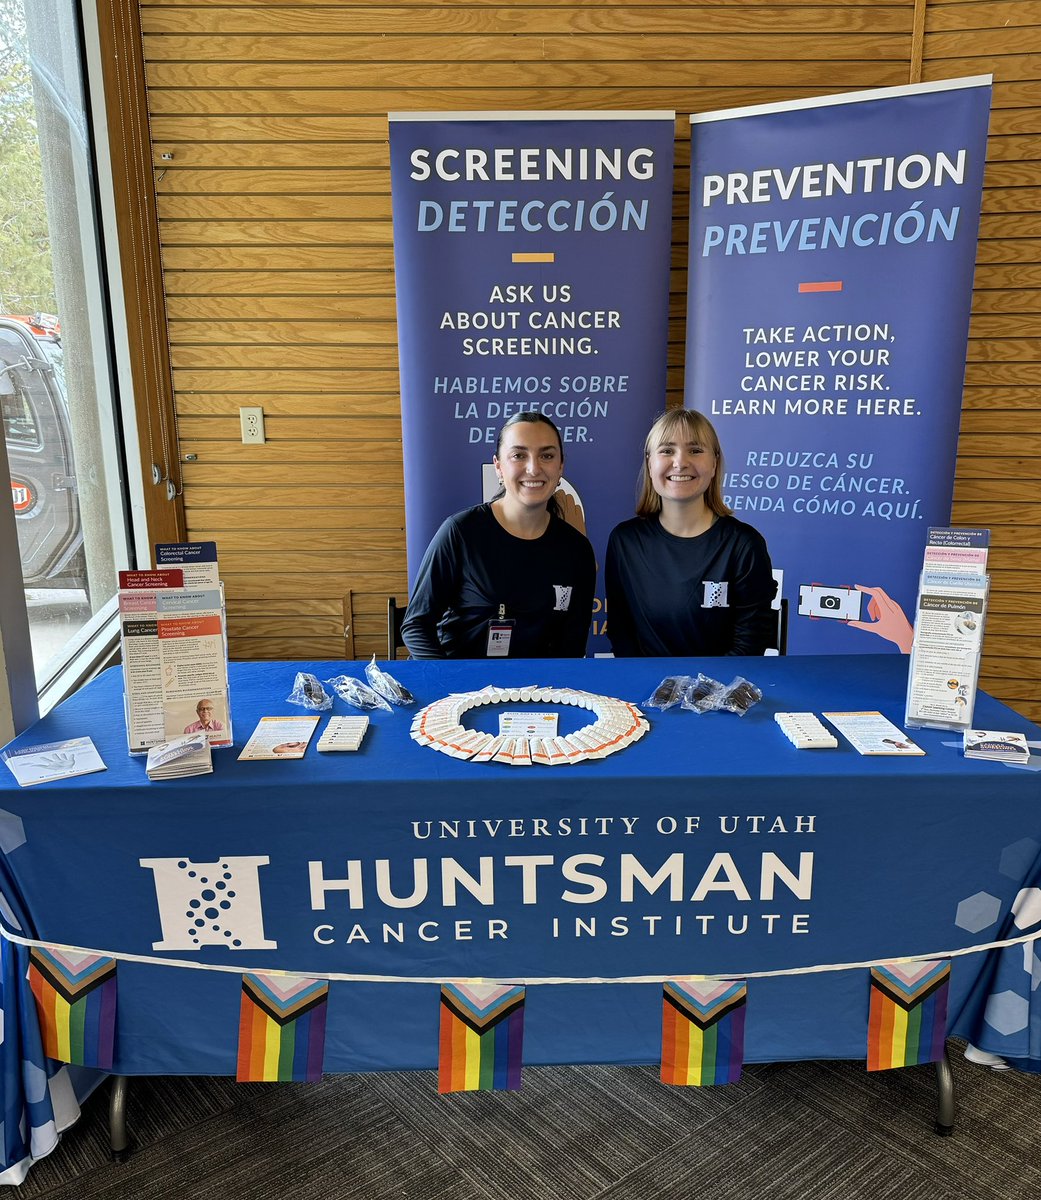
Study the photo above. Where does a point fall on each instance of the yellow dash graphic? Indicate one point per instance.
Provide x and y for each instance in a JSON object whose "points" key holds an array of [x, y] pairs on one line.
{"points": [[547, 256]]}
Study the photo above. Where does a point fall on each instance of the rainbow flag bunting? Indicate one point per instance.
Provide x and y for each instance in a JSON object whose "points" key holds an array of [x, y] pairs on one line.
{"points": [[907, 1022], [703, 1032], [281, 1028], [482, 1038], [76, 1002]]}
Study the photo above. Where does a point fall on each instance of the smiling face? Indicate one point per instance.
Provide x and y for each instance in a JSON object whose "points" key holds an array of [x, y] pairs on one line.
{"points": [[680, 470], [680, 444], [530, 463], [204, 710]]}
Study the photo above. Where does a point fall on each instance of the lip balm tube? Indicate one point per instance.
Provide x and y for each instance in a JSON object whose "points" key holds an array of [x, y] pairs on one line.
{"points": [[467, 745], [505, 753], [442, 729], [593, 745], [572, 752], [557, 754], [490, 749]]}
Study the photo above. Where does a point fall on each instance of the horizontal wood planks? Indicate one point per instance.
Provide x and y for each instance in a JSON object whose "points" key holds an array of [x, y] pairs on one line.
{"points": [[998, 483], [269, 139]]}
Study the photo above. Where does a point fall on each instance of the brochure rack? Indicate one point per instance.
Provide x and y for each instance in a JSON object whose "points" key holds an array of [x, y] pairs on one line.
{"points": [[173, 635], [948, 630]]}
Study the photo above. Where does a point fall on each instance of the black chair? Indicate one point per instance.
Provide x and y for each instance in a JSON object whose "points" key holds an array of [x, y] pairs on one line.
{"points": [[780, 643], [395, 616]]}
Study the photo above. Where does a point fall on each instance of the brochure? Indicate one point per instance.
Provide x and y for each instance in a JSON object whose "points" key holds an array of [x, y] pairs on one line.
{"points": [[945, 658], [55, 760], [872, 733], [152, 579], [961, 551], [996, 746], [175, 671], [197, 561], [180, 757], [279, 737]]}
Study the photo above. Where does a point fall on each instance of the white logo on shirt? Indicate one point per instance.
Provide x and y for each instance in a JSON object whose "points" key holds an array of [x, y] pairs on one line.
{"points": [[715, 595], [563, 598]]}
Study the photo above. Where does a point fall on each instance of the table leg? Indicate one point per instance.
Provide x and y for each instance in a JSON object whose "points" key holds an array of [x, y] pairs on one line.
{"points": [[117, 1118], [945, 1096]]}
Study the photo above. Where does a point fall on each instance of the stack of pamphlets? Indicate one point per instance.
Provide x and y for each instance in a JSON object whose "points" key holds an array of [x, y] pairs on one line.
{"points": [[55, 760], [180, 757], [995, 746]]}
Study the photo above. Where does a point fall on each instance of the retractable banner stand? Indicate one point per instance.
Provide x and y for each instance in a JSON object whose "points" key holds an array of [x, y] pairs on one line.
{"points": [[832, 244], [532, 268]]}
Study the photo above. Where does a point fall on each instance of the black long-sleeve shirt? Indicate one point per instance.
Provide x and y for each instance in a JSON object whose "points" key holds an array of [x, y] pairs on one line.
{"points": [[670, 596], [473, 565]]}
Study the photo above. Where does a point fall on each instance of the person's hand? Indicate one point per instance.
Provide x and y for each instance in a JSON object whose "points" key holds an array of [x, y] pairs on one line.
{"points": [[570, 510], [887, 619]]}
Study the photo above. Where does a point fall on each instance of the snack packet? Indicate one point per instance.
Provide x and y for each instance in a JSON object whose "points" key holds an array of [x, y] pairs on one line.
{"points": [[357, 694], [387, 686], [309, 693]]}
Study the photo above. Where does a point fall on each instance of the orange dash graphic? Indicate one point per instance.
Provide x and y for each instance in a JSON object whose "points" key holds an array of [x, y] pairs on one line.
{"points": [[541, 257], [826, 285]]}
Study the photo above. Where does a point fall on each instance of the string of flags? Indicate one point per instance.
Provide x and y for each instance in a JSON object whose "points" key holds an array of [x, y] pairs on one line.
{"points": [[282, 1022]]}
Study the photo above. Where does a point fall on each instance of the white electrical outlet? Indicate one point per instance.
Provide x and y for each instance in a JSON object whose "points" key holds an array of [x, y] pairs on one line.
{"points": [[252, 422]]}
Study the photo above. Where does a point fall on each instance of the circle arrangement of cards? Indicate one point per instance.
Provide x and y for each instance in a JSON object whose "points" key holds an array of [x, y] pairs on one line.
{"points": [[618, 724]]}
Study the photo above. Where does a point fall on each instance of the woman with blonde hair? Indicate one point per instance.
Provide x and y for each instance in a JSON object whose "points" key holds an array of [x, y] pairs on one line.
{"points": [[684, 577]]}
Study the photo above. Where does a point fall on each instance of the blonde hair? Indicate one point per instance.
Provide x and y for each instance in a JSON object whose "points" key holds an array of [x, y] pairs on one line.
{"points": [[681, 425]]}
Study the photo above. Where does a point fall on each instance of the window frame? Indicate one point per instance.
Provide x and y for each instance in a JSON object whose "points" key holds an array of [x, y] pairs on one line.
{"points": [[142, 513]]}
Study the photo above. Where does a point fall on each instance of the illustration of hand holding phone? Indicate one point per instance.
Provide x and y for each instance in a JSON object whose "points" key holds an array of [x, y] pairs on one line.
{"points": [[887, 619]]}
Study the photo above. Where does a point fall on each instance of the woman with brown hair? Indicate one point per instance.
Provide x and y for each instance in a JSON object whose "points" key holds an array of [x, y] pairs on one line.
{"points": [[510, 578]]}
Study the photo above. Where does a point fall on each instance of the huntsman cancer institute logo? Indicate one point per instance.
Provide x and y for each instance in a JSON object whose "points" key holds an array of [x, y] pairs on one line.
{"points": [[209, 904], [563, 597], [715, 594]]}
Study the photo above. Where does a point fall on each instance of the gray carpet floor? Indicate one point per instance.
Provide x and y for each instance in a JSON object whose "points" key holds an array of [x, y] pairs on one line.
{"points": [[795, 1131]]}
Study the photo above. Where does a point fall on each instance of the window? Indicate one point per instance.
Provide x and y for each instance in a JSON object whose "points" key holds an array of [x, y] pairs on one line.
{"points": [[59, 415]]}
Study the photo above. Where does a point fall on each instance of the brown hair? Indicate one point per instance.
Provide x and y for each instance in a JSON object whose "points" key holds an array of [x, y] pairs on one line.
{"points": [[681, 425]]}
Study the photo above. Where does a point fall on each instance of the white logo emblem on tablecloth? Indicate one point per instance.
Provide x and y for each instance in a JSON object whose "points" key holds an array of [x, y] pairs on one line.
{"points": [[209, 904], [563, 598], [715, 595]]}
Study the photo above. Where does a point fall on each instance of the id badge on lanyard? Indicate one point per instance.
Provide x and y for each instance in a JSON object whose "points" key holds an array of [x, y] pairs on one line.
{"points": [[500, 631]]}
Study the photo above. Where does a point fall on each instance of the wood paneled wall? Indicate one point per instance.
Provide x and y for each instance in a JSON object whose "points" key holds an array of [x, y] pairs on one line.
{"points": [[269, 136], [999, 451]]}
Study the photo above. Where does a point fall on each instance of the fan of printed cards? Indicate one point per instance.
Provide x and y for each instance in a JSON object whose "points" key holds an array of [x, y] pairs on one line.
{"points": [[618, 724]]}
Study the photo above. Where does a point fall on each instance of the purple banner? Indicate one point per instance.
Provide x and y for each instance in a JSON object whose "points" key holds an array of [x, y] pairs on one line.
{"points": [[532, 270], [832, 245]]}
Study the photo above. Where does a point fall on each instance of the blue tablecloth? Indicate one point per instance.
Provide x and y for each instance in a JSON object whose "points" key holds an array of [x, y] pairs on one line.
{"points": [[711, 846]]}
